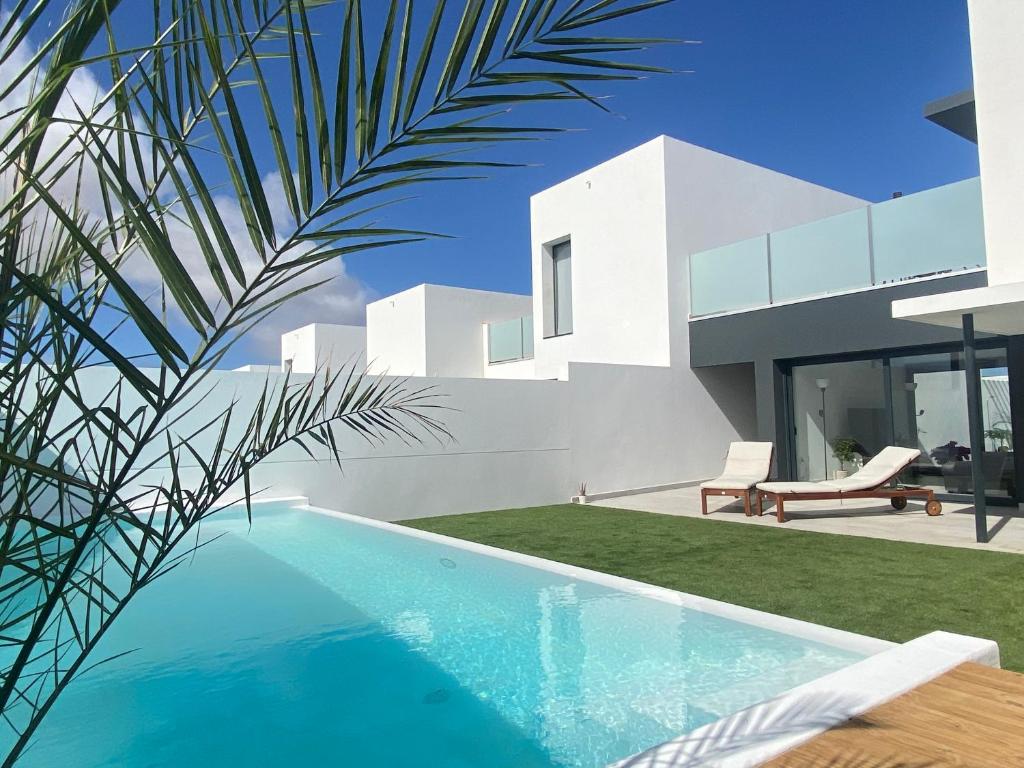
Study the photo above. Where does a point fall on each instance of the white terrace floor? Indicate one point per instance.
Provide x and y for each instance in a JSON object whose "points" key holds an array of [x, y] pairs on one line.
{"points": [[955, 527]]}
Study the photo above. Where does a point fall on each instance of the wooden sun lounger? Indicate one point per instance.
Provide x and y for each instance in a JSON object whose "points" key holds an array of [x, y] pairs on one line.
{"points": [[871, 482], [746, 465]]}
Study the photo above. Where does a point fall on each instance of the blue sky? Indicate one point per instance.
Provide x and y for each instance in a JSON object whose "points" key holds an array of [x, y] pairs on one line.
{"points": [[831, 92]]}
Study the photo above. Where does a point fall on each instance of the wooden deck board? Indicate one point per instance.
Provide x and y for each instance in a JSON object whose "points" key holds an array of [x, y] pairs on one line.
{"points": [[971, 716]]}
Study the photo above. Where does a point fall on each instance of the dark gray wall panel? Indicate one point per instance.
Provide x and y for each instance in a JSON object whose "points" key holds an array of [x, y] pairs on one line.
{"points": [[837, 325], [854, 322]]}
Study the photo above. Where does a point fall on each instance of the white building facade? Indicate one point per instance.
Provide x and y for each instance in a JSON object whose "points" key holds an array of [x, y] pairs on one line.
{"points": [[606, 328], [683, 299]]}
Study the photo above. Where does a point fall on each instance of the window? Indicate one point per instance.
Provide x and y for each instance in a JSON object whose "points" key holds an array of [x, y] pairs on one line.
{"points": [[561, 287], [510, 340]]}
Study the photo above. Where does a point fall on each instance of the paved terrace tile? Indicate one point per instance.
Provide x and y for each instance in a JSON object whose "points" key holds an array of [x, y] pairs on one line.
{"points": [[860, 517]]}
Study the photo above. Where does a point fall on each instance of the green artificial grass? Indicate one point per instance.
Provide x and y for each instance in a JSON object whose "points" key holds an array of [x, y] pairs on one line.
{"points": [[887, 589]]}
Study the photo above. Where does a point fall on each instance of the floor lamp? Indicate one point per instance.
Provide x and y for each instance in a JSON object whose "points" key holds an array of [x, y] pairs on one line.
{"points": [[823, 385]]}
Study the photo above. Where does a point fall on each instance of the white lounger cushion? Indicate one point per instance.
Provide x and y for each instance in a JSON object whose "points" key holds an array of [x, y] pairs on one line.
{"points": [[882, 468], [746, 465], [784, 486], [886, 465]]}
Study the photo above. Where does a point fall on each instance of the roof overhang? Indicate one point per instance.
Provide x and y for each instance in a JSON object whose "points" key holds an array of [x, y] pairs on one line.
{"points": [[955, 113], [997, 309]]}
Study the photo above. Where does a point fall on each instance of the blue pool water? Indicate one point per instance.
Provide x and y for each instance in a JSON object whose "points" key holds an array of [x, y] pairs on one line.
{"points": [[314, 641]]}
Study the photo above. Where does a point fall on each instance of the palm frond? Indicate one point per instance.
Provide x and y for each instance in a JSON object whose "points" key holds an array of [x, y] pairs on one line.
{"points": [[158, 162]]}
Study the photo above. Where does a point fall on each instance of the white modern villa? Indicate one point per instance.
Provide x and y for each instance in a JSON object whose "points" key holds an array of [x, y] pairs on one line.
{"points": [[674, 294]]}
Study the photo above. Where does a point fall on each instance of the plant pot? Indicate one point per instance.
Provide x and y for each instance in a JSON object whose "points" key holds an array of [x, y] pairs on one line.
{"points": [[840, 474], [579, 499]]}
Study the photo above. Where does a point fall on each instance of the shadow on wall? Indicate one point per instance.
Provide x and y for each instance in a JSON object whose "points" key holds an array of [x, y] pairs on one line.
{"points": [[733, 390]]}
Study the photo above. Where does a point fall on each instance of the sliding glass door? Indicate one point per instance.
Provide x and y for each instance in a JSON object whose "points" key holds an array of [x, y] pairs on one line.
{"points": [[837, 405], [929, 399], [844, 412]]}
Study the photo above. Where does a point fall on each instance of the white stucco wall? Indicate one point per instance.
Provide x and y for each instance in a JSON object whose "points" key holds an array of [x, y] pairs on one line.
{"points": [[455, 319], [396, 334], [614, 215], [642, 426], [998, 61], [323, 344], [713, 200], [630, 221], [514, 369], [437, 330], [510, 449]]}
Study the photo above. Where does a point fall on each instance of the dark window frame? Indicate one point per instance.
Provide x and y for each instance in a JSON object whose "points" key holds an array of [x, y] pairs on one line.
{"points": [[785, 432]]}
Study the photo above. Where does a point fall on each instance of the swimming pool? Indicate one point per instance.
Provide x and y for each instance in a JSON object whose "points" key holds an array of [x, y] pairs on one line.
{"points": [[316, 640]]}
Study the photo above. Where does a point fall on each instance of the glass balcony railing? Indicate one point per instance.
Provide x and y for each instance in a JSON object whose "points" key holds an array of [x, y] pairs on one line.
{"points": [[510, 340], [938, 231]]}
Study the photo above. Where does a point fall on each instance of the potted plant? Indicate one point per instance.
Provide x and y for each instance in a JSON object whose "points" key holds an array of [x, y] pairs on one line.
{"points": [[1000, 434], [581, 496], [844, 449]]}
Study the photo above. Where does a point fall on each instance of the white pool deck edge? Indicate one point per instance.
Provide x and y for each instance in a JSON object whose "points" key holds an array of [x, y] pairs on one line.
{"points": [[768, 729]]}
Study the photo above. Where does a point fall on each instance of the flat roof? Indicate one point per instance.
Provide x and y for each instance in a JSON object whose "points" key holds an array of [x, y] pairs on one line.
{"points": [[955, 113], [997, 309]]}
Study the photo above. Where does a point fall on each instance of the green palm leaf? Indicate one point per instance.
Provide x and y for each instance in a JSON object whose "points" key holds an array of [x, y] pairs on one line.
{"points": [[93, 258]]}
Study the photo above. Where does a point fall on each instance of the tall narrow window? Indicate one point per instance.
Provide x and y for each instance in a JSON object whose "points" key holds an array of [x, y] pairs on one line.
{"points": [[561, 285]]}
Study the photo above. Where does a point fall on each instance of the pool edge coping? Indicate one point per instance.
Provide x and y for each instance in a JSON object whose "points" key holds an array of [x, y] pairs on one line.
{"points": [[746, 738]]}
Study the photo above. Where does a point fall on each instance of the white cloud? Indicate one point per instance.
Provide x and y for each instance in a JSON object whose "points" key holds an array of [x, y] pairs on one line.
{"points": [[342, 300]]}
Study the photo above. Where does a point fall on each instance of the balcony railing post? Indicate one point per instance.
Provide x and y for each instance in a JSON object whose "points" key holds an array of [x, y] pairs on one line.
{"points": [[871, 248]]}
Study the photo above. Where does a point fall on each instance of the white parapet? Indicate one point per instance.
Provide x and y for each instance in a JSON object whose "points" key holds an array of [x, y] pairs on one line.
{"points": [[323, 345]]}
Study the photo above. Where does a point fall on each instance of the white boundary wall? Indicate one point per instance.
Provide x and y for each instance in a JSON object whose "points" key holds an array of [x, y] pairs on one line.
{"points": [[511, 449], [517, 443]]}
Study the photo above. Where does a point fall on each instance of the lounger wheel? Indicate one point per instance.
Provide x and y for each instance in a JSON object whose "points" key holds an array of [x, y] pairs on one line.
{"points": [[898, 502], [933, 507]]}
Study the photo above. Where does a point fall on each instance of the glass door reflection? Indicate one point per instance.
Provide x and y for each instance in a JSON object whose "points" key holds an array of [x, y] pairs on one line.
{"points": [[835, 405], [929, 412]]}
